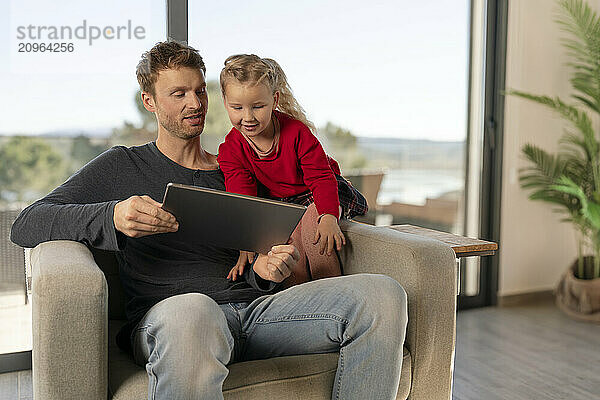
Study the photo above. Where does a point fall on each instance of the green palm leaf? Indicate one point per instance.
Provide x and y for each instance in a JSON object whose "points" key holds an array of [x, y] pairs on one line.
{"points": [[589, 208], [574, 146], [545, 171], [584, 46], [578, 118], [570, 179]]}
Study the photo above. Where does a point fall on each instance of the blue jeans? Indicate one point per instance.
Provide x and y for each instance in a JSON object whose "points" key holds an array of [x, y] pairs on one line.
{"points": [[186, 341]]}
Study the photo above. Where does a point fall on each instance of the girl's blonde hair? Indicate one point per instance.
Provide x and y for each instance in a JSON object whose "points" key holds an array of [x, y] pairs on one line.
{"points": [[251, 69]]}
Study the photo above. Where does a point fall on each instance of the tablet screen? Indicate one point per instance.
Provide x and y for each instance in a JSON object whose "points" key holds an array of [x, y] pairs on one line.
{"points": [[231, 220]]}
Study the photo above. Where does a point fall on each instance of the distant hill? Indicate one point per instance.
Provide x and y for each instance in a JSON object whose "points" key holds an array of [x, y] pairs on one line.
{"points": [[393, 145], [379, 152], [97, 133], [67, 133], [414, 153]]}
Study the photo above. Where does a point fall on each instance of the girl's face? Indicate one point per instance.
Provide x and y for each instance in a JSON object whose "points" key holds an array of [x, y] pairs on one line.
{"points": [[249, 107]]}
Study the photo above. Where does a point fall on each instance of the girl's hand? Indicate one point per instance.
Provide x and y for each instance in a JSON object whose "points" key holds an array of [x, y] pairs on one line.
{"points": [[328, 233], [238, 269]]}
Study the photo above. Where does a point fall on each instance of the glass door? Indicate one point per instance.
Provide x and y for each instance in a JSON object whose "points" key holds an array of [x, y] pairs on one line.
{"points": [[385, 84], [69, 93]]}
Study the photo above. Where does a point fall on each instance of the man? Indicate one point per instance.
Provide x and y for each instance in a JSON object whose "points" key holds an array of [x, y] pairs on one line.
{"points": [[186, 321]]}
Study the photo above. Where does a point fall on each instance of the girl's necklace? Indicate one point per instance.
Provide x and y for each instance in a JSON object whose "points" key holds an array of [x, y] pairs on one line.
{"points": [[274, 144]]}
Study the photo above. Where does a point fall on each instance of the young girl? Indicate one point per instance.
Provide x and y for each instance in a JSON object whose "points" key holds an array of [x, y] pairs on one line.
{"points": [[272, 143]]}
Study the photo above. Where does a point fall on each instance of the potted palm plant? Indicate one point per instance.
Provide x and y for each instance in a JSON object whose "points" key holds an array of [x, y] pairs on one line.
{"points": [[570, 178]]}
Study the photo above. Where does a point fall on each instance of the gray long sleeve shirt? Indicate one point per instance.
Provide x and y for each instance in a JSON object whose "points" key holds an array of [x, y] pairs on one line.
{"points": [[153, 267]]}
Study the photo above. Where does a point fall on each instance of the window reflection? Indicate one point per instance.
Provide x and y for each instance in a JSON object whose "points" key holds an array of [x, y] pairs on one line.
{"points": [[385, 84], [63, 105]]}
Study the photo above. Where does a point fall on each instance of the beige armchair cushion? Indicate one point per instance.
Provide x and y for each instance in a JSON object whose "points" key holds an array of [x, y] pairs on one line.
{"points": [[72, 358]]}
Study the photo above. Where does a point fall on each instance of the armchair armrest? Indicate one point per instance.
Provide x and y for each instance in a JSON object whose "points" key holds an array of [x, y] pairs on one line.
{"points": [[70, 323], [426, 268]]}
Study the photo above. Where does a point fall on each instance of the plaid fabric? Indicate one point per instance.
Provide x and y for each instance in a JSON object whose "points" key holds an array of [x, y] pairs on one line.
{"points": [[352, 201]]}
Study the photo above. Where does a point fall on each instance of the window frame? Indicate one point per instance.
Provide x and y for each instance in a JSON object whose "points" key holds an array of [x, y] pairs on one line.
{"points": [[491, 179], [490, 193]]}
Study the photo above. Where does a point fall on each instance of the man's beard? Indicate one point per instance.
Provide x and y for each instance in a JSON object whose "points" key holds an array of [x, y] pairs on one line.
{"points": [[179, 128]]}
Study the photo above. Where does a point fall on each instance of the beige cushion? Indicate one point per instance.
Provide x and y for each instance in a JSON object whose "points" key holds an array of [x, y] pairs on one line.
{"points": [[71, 313], [307, 376]]}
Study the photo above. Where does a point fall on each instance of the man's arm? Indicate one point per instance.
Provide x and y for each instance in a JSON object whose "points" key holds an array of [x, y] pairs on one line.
{"points": [[80, 209], [87, 208], [46, 220]]}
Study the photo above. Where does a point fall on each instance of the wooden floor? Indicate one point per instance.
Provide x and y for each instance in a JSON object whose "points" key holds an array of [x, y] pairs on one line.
{"points": [[527, 352]]}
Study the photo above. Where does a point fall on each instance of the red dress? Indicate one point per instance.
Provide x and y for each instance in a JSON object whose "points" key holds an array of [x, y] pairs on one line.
{"points": [[298, 165]]}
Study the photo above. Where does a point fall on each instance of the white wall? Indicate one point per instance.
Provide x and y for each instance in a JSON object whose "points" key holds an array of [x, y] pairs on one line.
{"points": [[535, 247]]}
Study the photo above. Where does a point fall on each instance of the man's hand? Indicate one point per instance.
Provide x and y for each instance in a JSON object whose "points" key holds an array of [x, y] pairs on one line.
{"points": [[142, 216], [278, 263], [329, 234], [238, 269]]}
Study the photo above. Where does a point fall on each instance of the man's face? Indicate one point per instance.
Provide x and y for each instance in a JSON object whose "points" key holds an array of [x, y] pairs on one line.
{"points": [[180, 102]]}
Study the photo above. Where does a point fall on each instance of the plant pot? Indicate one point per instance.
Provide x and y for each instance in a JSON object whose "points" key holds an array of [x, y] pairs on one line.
{"points": [[579, 298]]}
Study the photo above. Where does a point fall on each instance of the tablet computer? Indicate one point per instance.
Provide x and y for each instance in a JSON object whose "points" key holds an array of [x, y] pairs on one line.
{"points": [[231, 220]]}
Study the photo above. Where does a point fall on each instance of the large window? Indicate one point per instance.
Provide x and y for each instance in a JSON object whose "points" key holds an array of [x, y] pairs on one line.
{"points": [[69, 92], [385, 83]]}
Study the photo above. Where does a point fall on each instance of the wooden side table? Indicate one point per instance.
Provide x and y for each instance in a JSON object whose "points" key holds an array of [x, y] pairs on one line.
{"points": [[462, 246]]}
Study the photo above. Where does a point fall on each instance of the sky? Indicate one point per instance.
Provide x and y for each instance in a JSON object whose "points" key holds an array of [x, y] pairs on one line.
{"points": [[383, 69]]}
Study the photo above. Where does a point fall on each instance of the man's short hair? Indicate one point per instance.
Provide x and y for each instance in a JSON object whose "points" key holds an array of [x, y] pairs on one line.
{"points": [[165, 55]]}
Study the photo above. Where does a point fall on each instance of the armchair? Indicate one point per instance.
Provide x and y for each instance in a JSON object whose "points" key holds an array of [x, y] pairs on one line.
{"points": [[78, 307]]}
